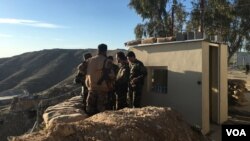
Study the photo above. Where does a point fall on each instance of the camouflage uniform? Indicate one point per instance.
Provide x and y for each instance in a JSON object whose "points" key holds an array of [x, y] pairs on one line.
{"points": [[138, 72], [96, 101], [121, 86], [82, 68], [98, 92], [111, 105]]}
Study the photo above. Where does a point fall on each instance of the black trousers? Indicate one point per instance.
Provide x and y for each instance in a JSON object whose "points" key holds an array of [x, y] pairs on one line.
{"points": [[134, 96], [111, 103], [121, 97]]}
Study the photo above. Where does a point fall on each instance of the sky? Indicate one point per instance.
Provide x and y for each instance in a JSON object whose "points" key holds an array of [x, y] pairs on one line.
{"points": [[32, 25]]}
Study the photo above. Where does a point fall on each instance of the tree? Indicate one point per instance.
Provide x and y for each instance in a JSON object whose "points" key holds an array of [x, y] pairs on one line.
{"points": [[139, 31], [180, 16], [227, 18], [194, 23], [153, 12], [156, 20]]}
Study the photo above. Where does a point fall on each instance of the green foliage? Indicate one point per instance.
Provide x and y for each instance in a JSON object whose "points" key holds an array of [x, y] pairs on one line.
{"points": [[180, 16], [227, 18], [152, 12], [156, 20], [194, 23], [139, 31], [247, 47], [218, 18]]}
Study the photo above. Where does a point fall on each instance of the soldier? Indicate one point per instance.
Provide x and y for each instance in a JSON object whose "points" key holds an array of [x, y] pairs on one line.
{"points": [[122, 80], [114, 66], [136, 79], [82, 69], [247, 68], [99, 75], [111, 94]]}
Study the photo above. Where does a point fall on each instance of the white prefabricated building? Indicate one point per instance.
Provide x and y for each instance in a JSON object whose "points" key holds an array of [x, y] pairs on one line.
{"points": [[189, 76]]}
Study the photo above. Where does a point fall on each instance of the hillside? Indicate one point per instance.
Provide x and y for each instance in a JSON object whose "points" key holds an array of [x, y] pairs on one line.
{"points": [[37, 77], [40, 70]]}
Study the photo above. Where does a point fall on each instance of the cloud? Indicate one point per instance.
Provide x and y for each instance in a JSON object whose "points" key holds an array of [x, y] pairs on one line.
{"points": [[29, 23], [5, 35]]}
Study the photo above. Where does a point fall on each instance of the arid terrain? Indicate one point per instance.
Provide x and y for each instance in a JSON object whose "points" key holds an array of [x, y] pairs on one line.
{"points": [[46, 76], [43, 81], [34, 72]]}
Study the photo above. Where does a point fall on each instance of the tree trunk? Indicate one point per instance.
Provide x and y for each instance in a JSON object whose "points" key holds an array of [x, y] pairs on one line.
{"points": [[234, 47]]}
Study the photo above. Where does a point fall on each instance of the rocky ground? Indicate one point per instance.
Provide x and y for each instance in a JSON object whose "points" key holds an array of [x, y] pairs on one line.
{"points": [[25, 110], [66, 121]]}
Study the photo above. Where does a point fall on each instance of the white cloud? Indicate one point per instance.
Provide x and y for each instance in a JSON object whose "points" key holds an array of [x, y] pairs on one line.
{"points": [[29, 23], [5, 35]]}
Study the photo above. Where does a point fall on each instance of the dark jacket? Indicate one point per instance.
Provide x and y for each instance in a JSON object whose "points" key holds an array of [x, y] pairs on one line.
{"points": [[122, 77], [137, 71]]}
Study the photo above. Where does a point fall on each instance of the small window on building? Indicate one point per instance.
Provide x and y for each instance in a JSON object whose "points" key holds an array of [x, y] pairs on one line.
{"points": [[160, 80]]}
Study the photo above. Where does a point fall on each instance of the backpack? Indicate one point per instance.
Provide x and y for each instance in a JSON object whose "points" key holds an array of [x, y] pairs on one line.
{"points": [[79, 78]]}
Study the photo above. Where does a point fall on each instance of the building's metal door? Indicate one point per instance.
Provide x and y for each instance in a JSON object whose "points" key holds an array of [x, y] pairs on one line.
{"points": [[214, 84]]}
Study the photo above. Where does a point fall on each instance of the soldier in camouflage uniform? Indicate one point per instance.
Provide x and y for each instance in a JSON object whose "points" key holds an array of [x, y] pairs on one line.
{"points": [[136, 79], [114, 66], [82, 68], [111, 105], [122, 79], [98, 79]]}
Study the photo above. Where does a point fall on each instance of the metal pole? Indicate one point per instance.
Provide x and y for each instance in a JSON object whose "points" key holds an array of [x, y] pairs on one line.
{"points": [[173, 20], [202, 5]]}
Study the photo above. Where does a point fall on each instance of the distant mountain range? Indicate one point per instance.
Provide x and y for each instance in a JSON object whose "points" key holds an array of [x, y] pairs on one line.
{"points": [[34, 72]]}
